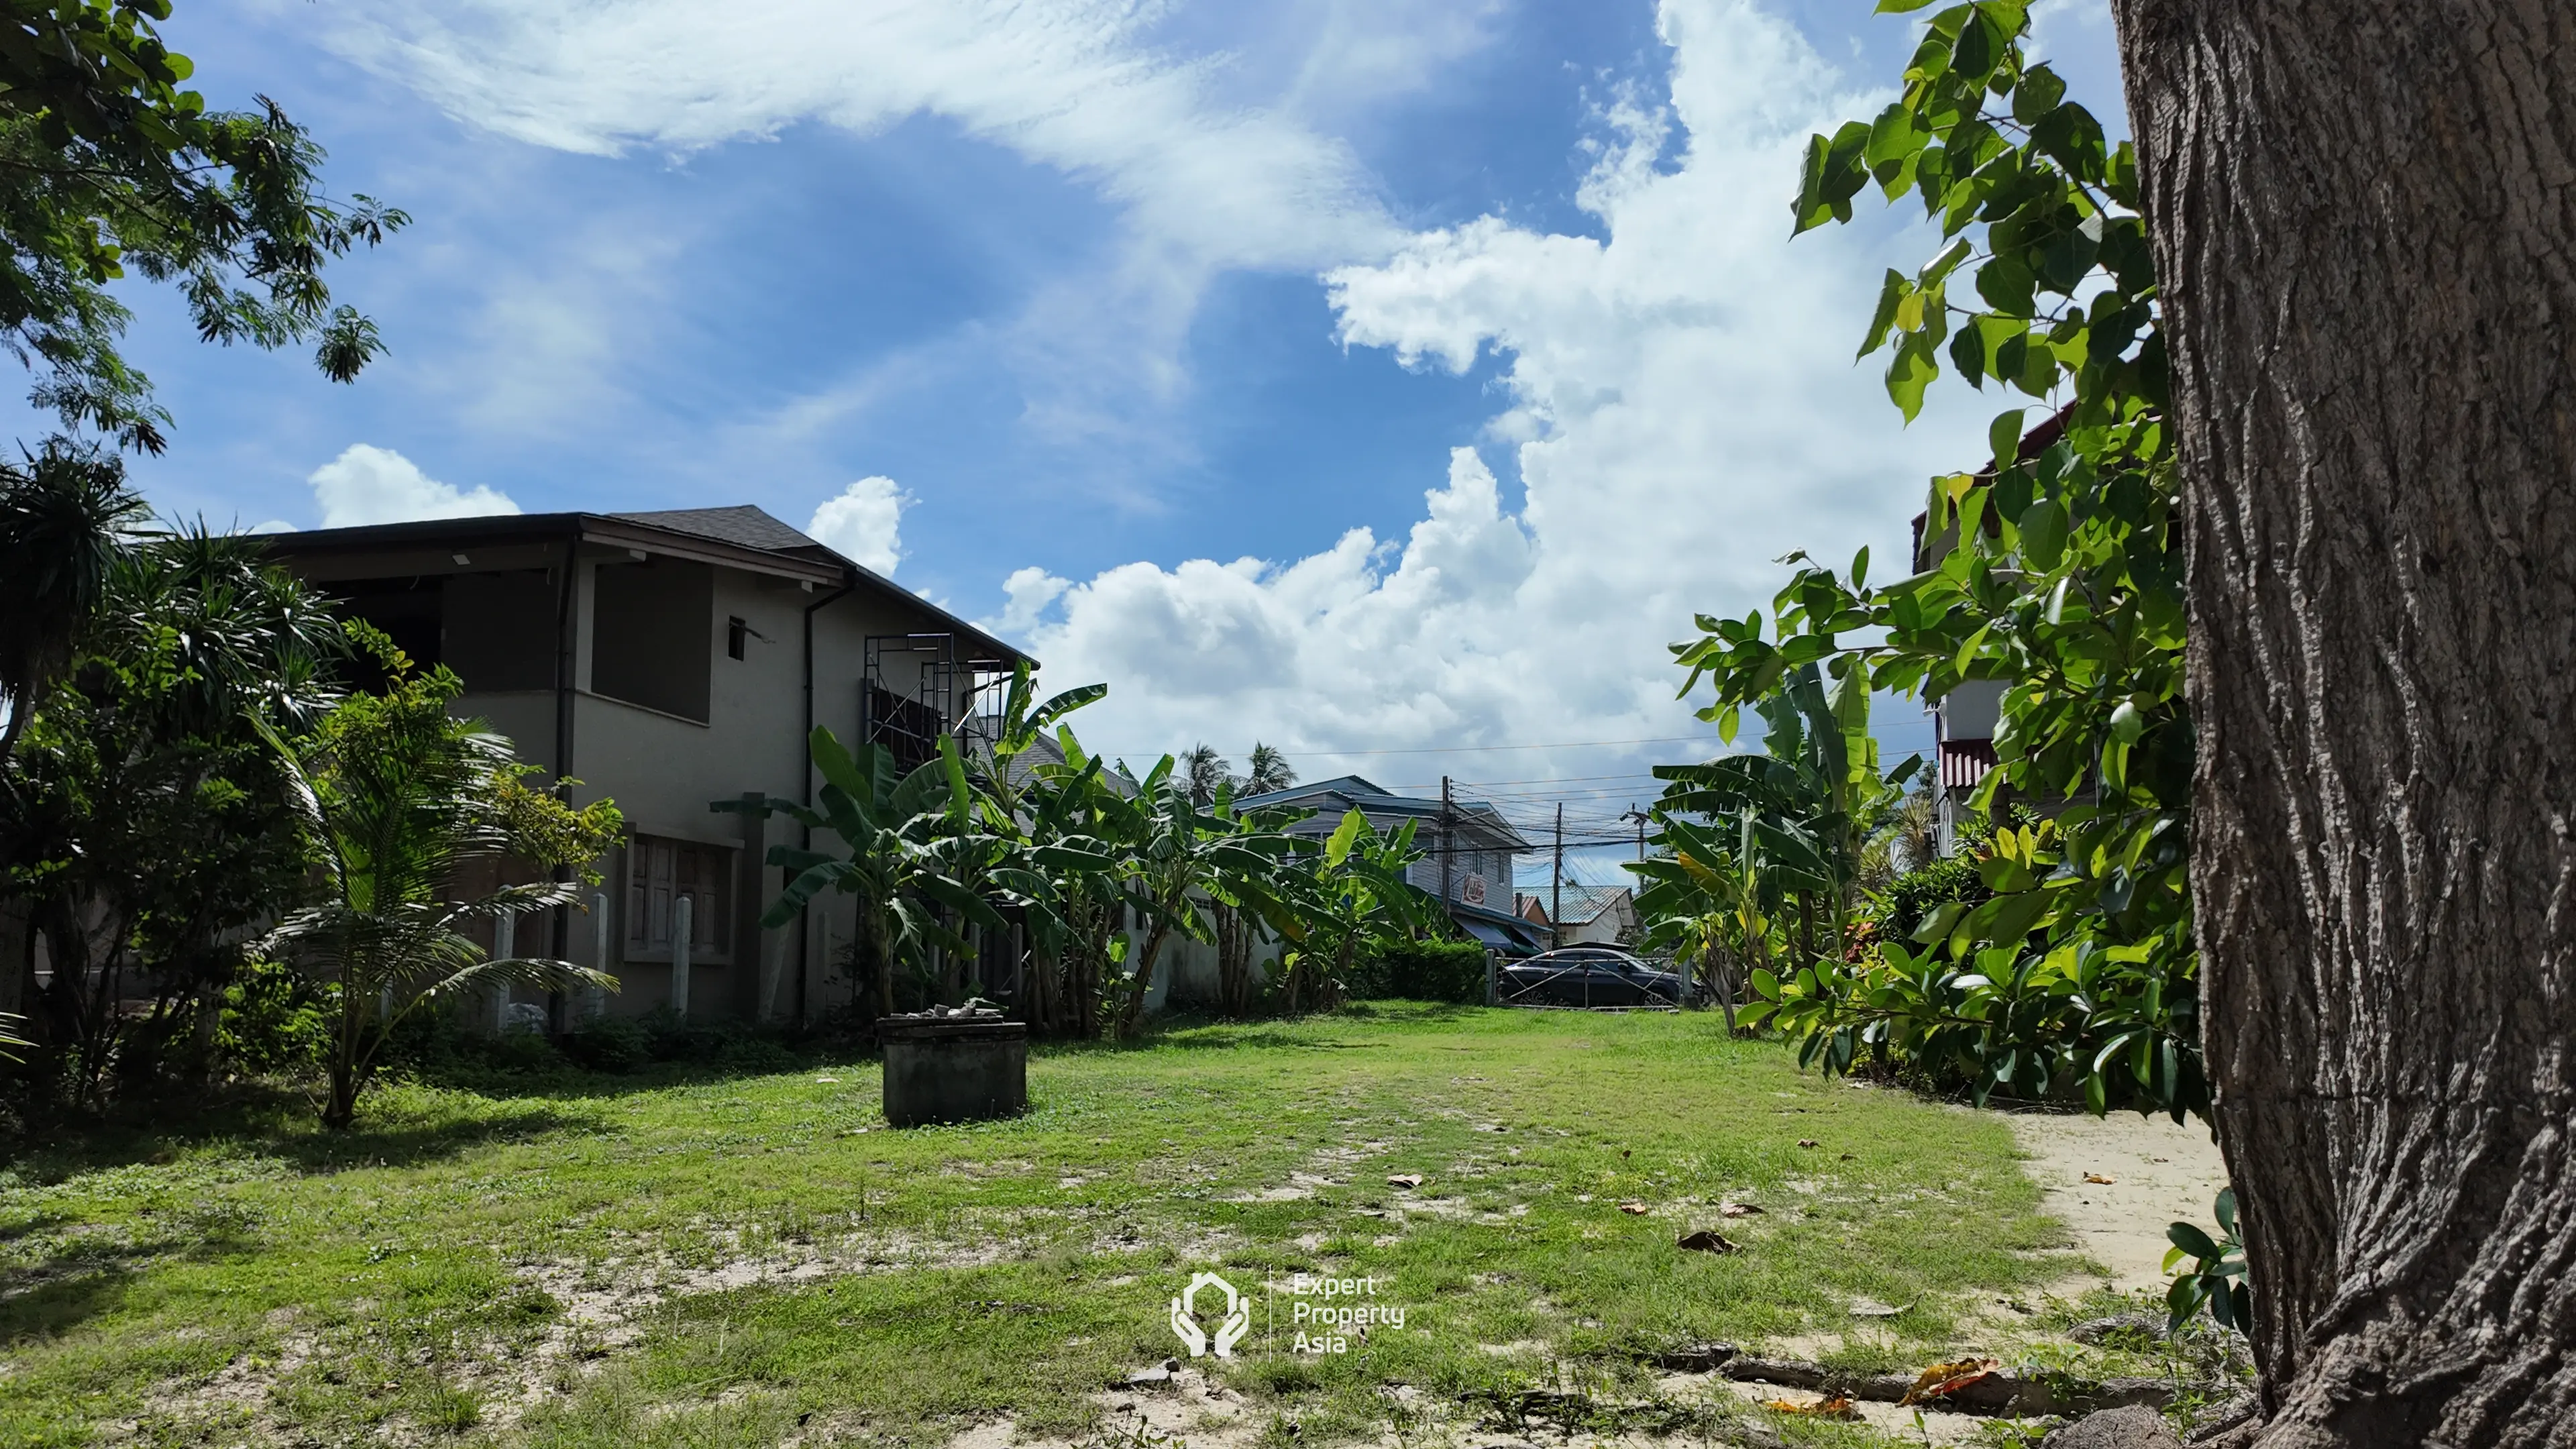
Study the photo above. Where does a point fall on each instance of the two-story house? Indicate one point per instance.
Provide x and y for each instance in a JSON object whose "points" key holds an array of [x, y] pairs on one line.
{"points": [[667, 661]]}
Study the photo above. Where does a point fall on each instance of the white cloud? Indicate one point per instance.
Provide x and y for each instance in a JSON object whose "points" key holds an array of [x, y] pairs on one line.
{"points": [[368, 484], [1683, 407], [863, 523], [1029, 591]]}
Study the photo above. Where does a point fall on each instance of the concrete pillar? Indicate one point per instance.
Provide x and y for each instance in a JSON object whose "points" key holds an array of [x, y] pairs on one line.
{"points": [[682, 927], [505, 945], [594, 1001]]}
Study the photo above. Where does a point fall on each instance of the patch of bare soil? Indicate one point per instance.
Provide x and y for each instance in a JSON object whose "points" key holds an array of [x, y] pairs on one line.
{"points": [[2117, 1182], [1936, 1426], [1179, 1406]]}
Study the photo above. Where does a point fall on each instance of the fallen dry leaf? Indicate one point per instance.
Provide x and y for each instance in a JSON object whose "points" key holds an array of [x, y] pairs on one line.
{"points": [[1836, 1407], [1809, 1142], [1637, 1208], [1404, 1179], [1736, 1210], [1623, 1152], [2097, 1177], [1944, 1379], [1706, 1240]]}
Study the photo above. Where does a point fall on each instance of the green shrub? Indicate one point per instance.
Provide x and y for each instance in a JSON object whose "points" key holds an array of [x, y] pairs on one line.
{"points": [[1917, 893], [609, 1044], [1420, 971], [276, 1021]]}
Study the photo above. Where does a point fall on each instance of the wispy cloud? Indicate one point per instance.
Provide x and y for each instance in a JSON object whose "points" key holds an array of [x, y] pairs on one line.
{"points": [[1205, 161]]}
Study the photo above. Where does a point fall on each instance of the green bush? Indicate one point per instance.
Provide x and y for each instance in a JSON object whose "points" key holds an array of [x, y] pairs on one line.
{"points": [[669, 1037], [1420, 971], [1917, 893], [609, 1044], [276, 1021]]}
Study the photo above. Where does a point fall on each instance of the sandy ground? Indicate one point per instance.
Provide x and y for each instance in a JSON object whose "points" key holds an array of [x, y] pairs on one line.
{"points": [[2159, 1173]]}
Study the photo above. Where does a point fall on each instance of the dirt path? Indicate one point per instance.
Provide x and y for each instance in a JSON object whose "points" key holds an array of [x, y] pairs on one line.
{"points": [[2159, 1173]]}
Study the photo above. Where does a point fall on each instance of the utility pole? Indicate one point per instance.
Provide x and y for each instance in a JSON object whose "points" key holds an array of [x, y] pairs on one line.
{"points": [[1448, 845], [1556, 889], [1640, 817]]}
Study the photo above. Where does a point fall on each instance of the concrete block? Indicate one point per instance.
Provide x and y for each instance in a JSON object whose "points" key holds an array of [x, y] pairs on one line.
{"points": [[954, 1069]]}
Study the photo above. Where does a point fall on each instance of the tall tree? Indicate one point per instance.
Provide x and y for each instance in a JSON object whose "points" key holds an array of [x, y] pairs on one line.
{"points": [[61, 515], [1266, 770], [1204, 771], [107, 165], [2363, 227]]}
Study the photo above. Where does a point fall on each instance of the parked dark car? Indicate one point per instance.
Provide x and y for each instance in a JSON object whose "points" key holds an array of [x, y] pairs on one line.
{"points": [[1587, 976]]}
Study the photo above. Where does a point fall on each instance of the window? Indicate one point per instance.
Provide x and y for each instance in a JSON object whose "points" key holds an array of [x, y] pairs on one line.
{"points": [[737, 637], [653, 635], [661, 871]]}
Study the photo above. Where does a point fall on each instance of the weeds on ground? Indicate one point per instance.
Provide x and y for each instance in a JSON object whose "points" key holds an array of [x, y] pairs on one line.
{"points": [[701, 1255]]}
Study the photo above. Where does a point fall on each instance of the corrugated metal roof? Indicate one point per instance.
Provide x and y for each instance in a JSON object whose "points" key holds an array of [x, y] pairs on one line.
{"points": [[1374, 800]]}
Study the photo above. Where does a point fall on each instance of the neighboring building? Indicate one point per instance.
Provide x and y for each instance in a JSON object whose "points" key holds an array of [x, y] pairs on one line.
{"points": [[1592, 915], [669, 660], [1467, 851], [1963, 721]]}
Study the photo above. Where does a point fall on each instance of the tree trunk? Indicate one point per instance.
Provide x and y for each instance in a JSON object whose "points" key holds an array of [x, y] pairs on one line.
{"points": [[2365, 231], [1129, 1019]]}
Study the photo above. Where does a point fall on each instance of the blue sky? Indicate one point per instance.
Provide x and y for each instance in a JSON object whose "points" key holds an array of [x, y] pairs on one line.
{"points": [[1351, 374]]}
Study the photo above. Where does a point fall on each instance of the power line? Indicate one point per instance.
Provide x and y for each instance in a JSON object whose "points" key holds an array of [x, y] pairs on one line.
{"points": [[1475, 749]]}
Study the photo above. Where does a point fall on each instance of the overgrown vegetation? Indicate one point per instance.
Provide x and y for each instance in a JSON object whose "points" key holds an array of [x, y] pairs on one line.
{"points": [[1099, 869], [2069, 969]]}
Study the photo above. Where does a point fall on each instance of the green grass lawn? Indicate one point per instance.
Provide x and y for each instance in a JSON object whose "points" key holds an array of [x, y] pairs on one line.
{"points": [[711, 1260]]}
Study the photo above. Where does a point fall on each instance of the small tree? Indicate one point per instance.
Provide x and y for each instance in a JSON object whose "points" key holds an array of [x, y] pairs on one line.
{"points": [[396, 795]]}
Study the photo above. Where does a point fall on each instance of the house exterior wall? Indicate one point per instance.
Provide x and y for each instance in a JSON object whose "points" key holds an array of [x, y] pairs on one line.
{"points": [[664, 771]]}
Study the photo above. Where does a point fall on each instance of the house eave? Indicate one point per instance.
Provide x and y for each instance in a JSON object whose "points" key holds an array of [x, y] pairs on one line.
{"points": [[429, 547]]}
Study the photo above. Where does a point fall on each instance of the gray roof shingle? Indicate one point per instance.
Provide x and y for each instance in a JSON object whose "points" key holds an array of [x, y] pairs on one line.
{"points": [[743, 524]]}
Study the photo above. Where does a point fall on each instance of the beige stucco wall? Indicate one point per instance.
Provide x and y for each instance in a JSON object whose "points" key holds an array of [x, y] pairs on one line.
{"points": [[663, 772]]}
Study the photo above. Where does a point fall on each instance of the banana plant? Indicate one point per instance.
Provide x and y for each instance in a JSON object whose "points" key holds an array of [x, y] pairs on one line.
{"points": [[1178, 856], [1354, 889], [1809, 804], [911, 844], [1703, 896]]}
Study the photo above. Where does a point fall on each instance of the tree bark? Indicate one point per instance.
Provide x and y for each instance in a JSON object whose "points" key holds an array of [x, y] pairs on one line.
{"points": [[1134, 1014], [2365, 230]]}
